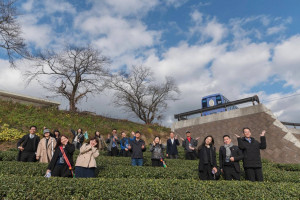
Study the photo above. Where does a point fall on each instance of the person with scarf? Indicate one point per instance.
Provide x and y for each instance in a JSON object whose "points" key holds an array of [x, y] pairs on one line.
{"points": [[229, 157], [78, 138], [61, 164], [46, 147], [207, 159], [251, 151], [27, 146], [113, 141], [189, 144], [85, 166]]}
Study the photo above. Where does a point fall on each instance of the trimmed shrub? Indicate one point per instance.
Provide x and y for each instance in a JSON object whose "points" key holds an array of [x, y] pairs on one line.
{"points": [[22, 187]]}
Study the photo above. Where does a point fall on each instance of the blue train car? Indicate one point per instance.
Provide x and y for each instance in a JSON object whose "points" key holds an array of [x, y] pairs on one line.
{"points": [[213, 100]]}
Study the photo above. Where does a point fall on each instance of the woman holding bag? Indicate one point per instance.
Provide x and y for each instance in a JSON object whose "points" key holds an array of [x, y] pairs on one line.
{"points": [[86, 164], [62, 160]]}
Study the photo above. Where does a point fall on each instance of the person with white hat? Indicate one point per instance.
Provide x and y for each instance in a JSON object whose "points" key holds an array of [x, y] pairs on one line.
{"points": [[46, 147]]}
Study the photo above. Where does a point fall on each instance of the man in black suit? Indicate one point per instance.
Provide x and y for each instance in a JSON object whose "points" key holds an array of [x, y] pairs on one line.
{"points": [[251, 151], [27, 146], [172, 144], [229, 157]]}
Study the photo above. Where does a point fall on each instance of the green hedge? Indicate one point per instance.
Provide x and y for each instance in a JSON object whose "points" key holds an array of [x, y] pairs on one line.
{"points": [[22, 187], [186, 170]]}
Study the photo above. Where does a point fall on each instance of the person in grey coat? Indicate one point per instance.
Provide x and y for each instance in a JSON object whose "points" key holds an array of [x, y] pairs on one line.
{"points": [[157, 150], [190, 144], [113, 142]]}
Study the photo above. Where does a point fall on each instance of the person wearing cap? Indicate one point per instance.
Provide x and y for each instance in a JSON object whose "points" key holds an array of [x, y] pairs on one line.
{"points": [[27, 146], [46, 147], [189, 144], [137, 147]]}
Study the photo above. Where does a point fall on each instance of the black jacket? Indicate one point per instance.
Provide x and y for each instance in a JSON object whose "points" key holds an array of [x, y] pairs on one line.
{"points": [[136, 148], [251, 151], [235, 152], [69, 150], [172, 148], [186, 144], [201, 155], [23, 142]]}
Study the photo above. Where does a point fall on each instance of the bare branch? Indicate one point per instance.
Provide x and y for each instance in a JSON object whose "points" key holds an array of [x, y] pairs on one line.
{"points": [[138, 93], [10, 33], [73, 73]]}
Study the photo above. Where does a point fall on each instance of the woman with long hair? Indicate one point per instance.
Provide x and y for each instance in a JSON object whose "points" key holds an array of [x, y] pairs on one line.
{"points": [[61, 163], [207, 159], [56, 134], [86, 164]]}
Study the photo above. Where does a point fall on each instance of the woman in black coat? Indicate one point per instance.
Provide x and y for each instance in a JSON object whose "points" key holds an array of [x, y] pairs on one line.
{"points": [[207, 159], [58, 165]]}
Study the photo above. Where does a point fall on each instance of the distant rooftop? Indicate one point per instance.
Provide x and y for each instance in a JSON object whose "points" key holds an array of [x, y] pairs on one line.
{"points": [[4, 95]]}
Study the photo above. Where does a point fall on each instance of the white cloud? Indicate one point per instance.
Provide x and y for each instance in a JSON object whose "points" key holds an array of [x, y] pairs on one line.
{"points": [[28, 5], [38, 34], [276, 29], [286, 60], [208, 29], [121, 8], [61, 6], [175, 3]]}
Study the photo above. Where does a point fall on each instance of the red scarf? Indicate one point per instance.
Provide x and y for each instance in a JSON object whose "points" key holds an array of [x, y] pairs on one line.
{"points": [[189, 139], [66, 159]]}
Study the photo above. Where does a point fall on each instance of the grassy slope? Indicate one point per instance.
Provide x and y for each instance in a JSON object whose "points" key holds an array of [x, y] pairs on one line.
{"points": [[22, 117]]}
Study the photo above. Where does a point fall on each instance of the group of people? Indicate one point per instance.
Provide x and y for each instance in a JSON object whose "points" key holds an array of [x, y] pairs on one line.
{"points": [[247, 150], [56, 150]]}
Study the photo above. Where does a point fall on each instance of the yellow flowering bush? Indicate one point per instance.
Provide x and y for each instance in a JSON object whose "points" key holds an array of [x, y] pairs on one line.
{"points": [[9, 134]]}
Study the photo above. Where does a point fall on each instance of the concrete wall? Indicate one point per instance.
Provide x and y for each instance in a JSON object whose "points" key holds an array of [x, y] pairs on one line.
{"points": [[7, 96], [283, 145]]}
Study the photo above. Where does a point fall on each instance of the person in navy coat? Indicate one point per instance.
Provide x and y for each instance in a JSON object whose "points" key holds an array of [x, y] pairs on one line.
{"points": [[172, 144]]}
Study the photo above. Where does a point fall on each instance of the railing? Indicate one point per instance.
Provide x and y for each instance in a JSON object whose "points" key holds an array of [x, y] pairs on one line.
{"points": [[183, 116], [291, 124]]}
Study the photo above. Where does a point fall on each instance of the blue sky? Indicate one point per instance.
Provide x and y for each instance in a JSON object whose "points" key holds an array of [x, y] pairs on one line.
{"points": [[238, 48]]}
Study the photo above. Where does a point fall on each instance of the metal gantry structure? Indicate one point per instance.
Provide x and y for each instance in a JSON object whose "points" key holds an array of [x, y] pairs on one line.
{"points": [[183, 116]]}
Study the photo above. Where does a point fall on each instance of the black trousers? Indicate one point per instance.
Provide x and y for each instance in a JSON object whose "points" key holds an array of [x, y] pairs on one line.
{"points": [[190, 155], [254, 173], [114, 151], [156, 163], [173, 156], [61, 171], [230, 173], [206, 173], [28, 156], [84, 172], [124, 153]]}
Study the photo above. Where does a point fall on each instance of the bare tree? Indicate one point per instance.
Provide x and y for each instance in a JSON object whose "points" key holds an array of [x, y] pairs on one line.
{"points": [[10, 32], [138, 92], [73, 73]]}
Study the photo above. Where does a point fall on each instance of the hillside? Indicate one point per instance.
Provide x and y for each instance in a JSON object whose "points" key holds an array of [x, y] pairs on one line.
{"points": [[20, 117]]}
